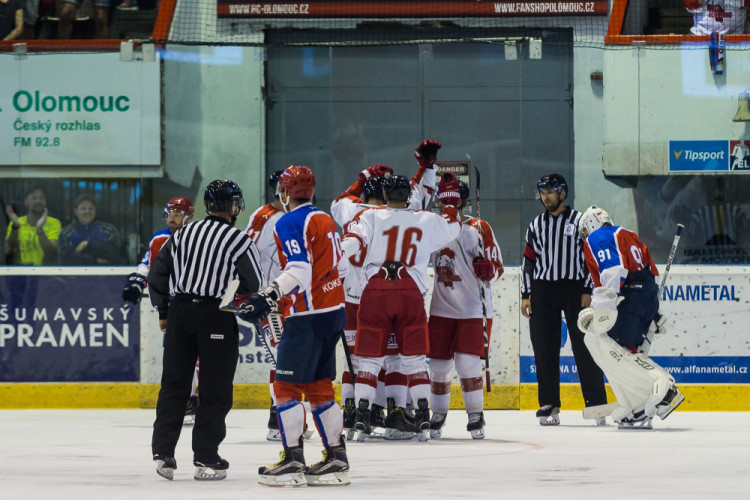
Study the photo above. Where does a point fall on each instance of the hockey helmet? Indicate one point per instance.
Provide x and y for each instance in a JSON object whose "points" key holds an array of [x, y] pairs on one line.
{"points": [[555, 182], [273, 181], [396, 188], [591, 220], [221, 195], [298, 181], [181, 204], [374, 188]]}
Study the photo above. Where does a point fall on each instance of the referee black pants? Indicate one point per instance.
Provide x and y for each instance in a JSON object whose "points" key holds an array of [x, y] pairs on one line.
{"points": [[196, 328], [548, 299]]}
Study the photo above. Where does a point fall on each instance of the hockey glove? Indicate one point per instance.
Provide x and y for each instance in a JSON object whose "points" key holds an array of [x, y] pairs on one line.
{"points": [[604, 302], [585, 317], [483, 269], [134, 288], [659, 325], [375, 171], [426, 153], [449, 191], [258, 306]]}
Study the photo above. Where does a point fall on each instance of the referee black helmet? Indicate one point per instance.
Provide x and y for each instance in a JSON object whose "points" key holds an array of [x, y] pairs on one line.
{"points": [[555, 182], [220, 196], [396, 188]]}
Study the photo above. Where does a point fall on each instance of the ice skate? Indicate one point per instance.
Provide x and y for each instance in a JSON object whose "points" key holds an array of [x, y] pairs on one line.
{"points": [[350, 415], [377, 416], [273, 426], [671, 401], [333, 470], [289, 471], [436, 424], [190, 410], [362, 420], [210, 471], [476, 425], [548, 415], [422, 419], [637, 420], [397, 427], [165, 466]]}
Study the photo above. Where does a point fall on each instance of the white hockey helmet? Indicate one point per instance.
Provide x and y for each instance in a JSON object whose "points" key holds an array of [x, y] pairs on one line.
{"points": [[593, 218]]}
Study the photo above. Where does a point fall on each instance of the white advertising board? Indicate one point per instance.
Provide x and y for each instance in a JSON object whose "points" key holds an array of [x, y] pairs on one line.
{"points": [[79, 109]]}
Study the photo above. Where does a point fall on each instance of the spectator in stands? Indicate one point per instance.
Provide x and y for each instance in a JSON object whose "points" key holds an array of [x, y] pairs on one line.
{"points": [[68, 17], [31, 240], [87, 241], [722, 16], [11, 19]]}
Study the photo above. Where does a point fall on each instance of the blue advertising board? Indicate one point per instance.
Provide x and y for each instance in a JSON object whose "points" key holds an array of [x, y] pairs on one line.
{"points": [[67, 329], [698, 156]]}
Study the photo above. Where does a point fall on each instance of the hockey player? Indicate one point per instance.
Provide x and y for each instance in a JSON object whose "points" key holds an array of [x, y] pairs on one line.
{"points": [[344, 210], [463, 268], [309, 248], [624, 306], [260, 229], [178, 212], [398, 243]]}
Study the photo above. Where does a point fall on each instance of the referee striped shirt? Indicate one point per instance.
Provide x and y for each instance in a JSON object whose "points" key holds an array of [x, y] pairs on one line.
{"points": [[201, 259], [553, 251]]}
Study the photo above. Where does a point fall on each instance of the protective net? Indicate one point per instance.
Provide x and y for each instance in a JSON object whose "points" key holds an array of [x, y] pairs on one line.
{"points": [[597, 23]]}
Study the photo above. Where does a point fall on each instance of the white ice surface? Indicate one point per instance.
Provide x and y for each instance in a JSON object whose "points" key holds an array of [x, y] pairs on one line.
{"points": [[106, 455]]}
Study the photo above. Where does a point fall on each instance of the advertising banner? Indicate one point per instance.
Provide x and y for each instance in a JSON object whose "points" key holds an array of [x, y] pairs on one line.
{"points": [[97, 110], [389, 8], [67, 329], [706, 340], [698, 156]]}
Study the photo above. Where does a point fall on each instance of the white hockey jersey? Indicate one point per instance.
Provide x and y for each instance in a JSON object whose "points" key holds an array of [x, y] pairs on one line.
{"points": [[260, 229], [456, 293], [400, 235], [346, 207]]}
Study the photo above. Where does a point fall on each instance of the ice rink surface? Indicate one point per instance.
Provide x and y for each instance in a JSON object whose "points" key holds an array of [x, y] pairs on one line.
{"points": [[106, 455]]}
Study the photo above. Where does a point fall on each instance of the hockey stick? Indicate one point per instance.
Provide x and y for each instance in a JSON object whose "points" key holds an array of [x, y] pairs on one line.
{"points": [[481, 294], [274, 319], [646, 347], [348, 357]]}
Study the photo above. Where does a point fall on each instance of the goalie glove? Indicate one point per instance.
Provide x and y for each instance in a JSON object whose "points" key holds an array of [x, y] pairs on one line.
{"points": [[259, 305], [585, 318], [426, 153], [134, 288], [375, 171], [604, 303]]}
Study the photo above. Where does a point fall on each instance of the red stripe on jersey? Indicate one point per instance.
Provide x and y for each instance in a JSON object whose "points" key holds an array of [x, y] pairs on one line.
{"points": [[258, 220]]}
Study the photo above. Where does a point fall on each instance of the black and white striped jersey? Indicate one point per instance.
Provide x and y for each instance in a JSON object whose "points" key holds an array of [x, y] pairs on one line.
{"points": [[201, 259], [553, 250]]}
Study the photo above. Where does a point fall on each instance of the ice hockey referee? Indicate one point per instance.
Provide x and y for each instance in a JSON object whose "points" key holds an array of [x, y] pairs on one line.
{"points": [[186, 283]]}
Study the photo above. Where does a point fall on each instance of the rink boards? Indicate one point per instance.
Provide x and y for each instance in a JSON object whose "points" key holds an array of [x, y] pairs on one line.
{"points": [[67, 341]]}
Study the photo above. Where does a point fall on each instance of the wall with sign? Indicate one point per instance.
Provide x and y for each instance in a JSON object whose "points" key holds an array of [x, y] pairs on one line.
{"points": [[69, 109]]}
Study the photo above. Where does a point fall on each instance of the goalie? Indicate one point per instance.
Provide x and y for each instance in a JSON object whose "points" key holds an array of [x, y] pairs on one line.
{"points": [[624, 307]]}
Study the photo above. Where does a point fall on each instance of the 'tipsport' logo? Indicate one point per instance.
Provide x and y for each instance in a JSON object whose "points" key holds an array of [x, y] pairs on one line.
{"points": [[698, 156]]}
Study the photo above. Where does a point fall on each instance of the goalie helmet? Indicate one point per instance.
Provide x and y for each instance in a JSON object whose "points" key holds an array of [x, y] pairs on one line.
{"points": [[591, 220], [181, 204], [556, 182], [298, 181], [396, 188], [220, 196], [374, 188]]}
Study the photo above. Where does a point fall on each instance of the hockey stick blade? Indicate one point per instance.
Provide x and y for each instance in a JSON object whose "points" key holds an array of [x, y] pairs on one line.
{"points": [[227, 301], [599, 411]]}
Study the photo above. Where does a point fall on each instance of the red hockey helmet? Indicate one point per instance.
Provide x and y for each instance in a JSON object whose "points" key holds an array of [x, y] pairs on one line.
{"points": [[298, 181], [181, 203]]}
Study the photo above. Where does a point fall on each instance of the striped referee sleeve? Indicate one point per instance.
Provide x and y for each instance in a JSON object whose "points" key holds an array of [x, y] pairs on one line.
{"points": [[553, 250]]}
